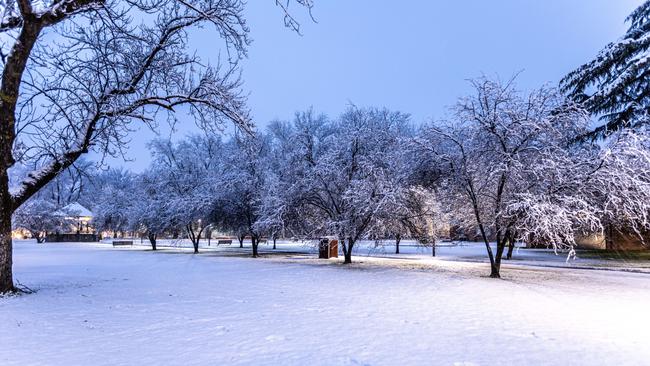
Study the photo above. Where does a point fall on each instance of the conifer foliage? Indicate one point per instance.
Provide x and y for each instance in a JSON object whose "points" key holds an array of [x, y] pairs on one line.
{"points": [[614, 85]]}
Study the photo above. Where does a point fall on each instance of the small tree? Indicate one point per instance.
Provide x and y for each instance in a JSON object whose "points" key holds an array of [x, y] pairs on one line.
{"points": [[186, 172], [244, 180], [148, 213], [114, 197]]}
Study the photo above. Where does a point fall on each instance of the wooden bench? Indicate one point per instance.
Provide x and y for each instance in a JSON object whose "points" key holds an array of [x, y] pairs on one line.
{"points": [[224, 242], [122, 242]]}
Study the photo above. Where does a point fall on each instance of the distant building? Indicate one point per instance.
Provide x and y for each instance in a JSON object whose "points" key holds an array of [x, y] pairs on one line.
{"points": [[80, 225], [613, 239]]}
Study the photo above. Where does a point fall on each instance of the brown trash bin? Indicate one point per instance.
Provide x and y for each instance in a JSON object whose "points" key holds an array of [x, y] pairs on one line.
{"points": [[328, 248]]}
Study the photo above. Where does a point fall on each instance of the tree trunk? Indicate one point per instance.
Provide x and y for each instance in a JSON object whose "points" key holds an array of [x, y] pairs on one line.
{"points": [[347, 250], [494, 268], [193, 237], [152, 240], [501, 245], [6, 260], [511, 247], [609, 237], [398, 238], [241, 241], [433, 248], [195, 244], [12, 73], [255, 242], [37, 235], [274, 240]]}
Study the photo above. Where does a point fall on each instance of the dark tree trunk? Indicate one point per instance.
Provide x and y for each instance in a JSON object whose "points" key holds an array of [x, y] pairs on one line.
{"points": [[12, 73], [347, 250], [241, 241], [398, 238], [511, 247], [255, 242], [433, 248], [609, 237], [274, 240], [193, 237], [195, 244], [152, 240], [501, 245], [6, 260], [494, 268], [37, 235]]}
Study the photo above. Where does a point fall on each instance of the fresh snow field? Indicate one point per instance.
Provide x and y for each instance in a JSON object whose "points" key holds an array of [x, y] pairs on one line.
{"points": [[98, 305]]}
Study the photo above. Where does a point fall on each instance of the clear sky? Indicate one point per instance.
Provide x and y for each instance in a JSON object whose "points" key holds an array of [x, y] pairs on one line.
{"points": [[412, 56]]}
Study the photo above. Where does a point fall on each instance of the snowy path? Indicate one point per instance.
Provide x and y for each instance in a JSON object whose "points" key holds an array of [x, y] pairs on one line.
{"points": [[103, 306]]}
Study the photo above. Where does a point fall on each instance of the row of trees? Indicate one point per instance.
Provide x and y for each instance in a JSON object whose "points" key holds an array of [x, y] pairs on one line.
{"points": [[314, 176], [507, 164]]}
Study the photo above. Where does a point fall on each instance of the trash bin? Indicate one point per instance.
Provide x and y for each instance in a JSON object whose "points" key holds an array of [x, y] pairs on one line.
{"points": [[328, 248]]}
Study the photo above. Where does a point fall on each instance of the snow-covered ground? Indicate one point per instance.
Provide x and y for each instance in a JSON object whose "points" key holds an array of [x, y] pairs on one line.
{"points": [[98, 305], [445, 251]]}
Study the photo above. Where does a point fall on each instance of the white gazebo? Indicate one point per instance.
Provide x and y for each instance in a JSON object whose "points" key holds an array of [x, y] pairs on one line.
{"points": [[79, 215]]}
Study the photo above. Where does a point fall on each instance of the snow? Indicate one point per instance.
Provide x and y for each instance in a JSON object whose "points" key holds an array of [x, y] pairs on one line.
{"points": [[77, 210], [122, 306]]}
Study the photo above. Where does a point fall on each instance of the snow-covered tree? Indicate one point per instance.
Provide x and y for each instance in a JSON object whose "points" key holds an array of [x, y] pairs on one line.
{"points": [[415, 214], [113, 201], [614, 85], [77, 74], [590, 189], [148, 213], [496, 152], [243, 181], [187, 174], [292, 146], [341, 176], [40, 216]]}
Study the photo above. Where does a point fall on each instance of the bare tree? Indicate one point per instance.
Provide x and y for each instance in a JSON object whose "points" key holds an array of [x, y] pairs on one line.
{"points": [[496, 150], [77, 74]]}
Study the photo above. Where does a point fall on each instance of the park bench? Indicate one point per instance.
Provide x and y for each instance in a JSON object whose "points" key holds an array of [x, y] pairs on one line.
{"points": [[122, 242], [224, 242], [262, 241]]}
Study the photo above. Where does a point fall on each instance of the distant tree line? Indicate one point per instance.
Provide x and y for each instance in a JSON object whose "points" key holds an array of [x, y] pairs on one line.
{"points": [[505, 163]]}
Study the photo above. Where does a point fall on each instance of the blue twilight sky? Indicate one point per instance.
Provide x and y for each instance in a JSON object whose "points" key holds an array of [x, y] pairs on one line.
{"points": [[412, 56]]}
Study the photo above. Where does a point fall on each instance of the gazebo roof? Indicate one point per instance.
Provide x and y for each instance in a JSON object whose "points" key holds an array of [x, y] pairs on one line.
{"points": [[75, 209]]}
